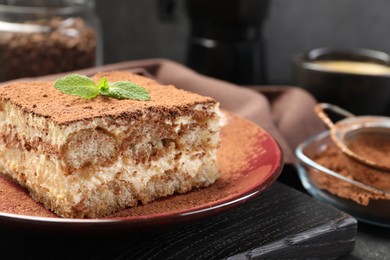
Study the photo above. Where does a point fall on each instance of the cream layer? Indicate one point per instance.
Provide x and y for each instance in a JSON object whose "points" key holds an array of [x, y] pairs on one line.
{"points": [[122, 184]]}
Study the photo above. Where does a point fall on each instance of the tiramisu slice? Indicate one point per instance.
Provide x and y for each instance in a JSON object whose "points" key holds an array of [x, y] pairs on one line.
{"points": [[87, 158]]}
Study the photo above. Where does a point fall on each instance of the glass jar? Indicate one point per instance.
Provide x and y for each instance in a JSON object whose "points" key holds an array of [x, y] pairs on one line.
{"points": [[39, 37]]}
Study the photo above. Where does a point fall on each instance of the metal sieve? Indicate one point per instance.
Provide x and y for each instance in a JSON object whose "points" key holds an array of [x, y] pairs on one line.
{"points": [[362, 162]]}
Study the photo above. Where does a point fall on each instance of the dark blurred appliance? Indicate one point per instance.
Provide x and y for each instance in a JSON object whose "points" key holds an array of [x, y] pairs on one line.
{"points": [[226, 39]]}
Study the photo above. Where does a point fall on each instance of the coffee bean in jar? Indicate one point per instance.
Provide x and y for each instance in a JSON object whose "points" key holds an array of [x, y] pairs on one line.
{"points": [[39, 37]]}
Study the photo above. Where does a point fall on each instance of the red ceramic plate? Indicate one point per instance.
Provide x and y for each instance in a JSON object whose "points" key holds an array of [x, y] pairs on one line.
{"points": [[249, 160]]}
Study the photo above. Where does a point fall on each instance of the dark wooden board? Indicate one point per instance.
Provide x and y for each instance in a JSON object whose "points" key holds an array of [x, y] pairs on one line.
{"points": [[280, 223]]}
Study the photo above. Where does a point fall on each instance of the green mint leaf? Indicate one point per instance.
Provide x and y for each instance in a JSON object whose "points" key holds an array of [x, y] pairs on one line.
{"points": [[126, 90], [85, 87], [103, 84], [77, 85]]}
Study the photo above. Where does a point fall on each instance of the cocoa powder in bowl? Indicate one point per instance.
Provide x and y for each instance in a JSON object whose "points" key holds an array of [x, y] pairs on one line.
{"points": [[331, 158], [326, 176]]}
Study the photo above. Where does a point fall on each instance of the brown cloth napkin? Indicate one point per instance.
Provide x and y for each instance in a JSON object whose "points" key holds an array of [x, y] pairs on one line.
{"points": [[285, 112]]}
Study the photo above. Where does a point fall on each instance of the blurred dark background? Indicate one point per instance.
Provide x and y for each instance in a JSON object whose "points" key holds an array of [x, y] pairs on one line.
{"points": [[136, 29]]}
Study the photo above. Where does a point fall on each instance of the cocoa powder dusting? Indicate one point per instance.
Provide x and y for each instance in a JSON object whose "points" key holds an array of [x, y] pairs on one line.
{"points": [[332, 159], [64, 109]]}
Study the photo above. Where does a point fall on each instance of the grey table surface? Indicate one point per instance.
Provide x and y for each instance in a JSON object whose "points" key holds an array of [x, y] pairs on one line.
{"points": [[372, 242]]}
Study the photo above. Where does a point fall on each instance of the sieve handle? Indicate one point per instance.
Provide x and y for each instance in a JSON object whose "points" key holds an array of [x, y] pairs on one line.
{"points": [[320, 109]]}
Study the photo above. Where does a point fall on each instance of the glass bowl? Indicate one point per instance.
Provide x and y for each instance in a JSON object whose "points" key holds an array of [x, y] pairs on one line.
{"points": [[367, 204], [41, 37]]}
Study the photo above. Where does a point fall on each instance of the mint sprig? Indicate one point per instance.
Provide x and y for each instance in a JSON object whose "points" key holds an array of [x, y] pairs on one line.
{"points": [[77, 85], [80, 85]]}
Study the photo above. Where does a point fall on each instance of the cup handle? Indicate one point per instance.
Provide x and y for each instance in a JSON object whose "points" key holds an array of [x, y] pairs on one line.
{"points": [[320, 109]]}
